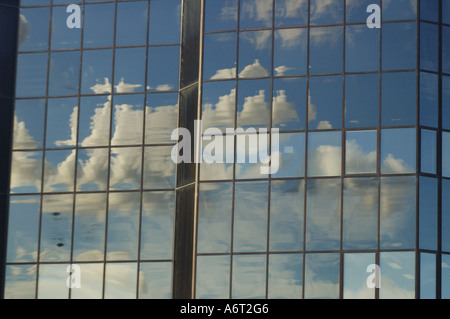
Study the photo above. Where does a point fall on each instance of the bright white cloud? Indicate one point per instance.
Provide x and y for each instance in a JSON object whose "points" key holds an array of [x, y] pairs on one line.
{"points": [[254, 70]]}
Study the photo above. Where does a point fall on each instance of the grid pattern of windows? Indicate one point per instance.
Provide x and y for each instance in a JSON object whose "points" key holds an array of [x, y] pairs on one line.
{"points": [[92, 180]]}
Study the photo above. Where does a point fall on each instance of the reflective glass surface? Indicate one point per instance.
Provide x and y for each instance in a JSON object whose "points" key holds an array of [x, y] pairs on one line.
{"points": [[427, 276], [445, 275], [446, 102], [52, 282], [446, 154], [322, 276], [399, 44], [361, 152], [326, 49], [155, 280], [20, 282], [428, 152], [445, 48], [219, 56], [98, 25], [96, 72], [159, 168], [429, 47], [163, 68], [355, 276], [445, 216], [399, 9], [213, 277], [253, 103], [131, 33], [398, 151], [285, 276], [33, 29], [291, 12], [94, 121], [255, 14], [362, 48], [248, 278], [62, 36], [120, 280], [324, 153], [289, 104], [26, 170], [28, 124], [62, 116], [255, 54], [221, 15], [325, 110], [92, 284], [397, 275], [129, 73], [31, 74], [326, 12], [164, 22], [429, 10], [356, 9], [429, 99], [64, 73], [428, 213], [290, 52]]}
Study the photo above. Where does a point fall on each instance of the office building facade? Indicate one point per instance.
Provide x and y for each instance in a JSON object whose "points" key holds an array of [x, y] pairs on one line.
{"points": [[94, 206]]}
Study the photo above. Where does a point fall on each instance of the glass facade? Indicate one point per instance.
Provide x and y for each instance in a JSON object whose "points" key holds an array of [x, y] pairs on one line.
{"points": [[361, 114]]}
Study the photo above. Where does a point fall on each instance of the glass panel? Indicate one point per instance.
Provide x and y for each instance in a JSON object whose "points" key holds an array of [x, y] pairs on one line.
{"points": [[59, 171], [256, 14], [446, 11], [291, 12], [255, 50], [326, 49], [399, 44], [446, 102], [326, 12], [94, 121], [52, 282], [429, 10], [163, 68], [213, 277], [398, 99], [20, 282], [218, 105], [129, 73], [362, 48], [219, 57], [214, 217], [155, 281], [250, 217], [123, 226], [157, 225], [218, 157], [220, 15], [325, 110], [98, 25], [429, 47], [427, 276], [324, 153], [134, 33], [289, 99], [445, 283], [26, 169], [429, 85], [165, 21], [91, 282], [62, 117], [56, 228], [23, 228], [120, 280], [286, 215], [159, 168], [31, 75], [360, 229], [89, 229], [96, 72], [356, 9], [128, 120], [445, 228], [161, 117], [290, 52], [446, 154], [33, 29], [445, 48], [398, 212], [28, 124], [399, 9], [290, 156], [125, 168], [356, 276], [323, 211], [398, 151], [253, 103], [361, 100], [64, 73], [92, 169], [428, 151], [361, 152], [322, 276], [63, 37], [249, 277], [285, 276], [397, 275]]}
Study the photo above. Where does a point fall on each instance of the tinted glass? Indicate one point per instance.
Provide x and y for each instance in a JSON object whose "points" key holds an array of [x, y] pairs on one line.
{"points": [[285, 276], [255, 54], [213, 277], [428, 151], [94, 121], [427, 276], [155, 280], [33, 29], [429, 99], [62, 116], [428, 213], [255, 14], [324, 153], [63, 37], [398, 151], [362, 48], [446, 154], [96, 72], [98, 25], [64, 73], [165, 17], [28, 124], [219, 57], [399, 45], [291, 12], [120, 281], [249, 277], [131, 33], [325, 110], [361, 152], [326, 12], [326, 50], [322, 276], [20, 282], [290, 52], [429, 47], [163, 68], [397, 275], [399, 9], [221, 15], [31, 74]]}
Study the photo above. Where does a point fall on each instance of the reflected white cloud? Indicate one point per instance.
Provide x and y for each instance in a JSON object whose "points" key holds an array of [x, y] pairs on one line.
{"points": [[224, 74], [24, 30], [254, 70], [22, 137], [257, 10]]}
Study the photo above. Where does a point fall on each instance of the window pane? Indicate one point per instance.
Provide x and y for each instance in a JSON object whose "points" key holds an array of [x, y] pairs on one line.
{"points": [[165, 20], [322, 276], [128, 120], [214, 218], [445, 228], [362, 48], [285, 276], [163, 67], [159, 168], [428, 152], [446, 102], [289, 100], [355, 276], [445, 49], [125, 168], [429, 10], [92, 282], [161, 117], [129, 74], [360, 229], [361, 152], [429, 47], [398, 99], [220, 15], [286, 215], [28, 124], [92, 169], [399, 44], [63, 37], [361, 100], [326, 12], [255, 50], [52, 282], [26, 169], [64, 73], [134, 33], [89, 229], [291, 12], [249, 277], [157, 223], [323, 211], [250, 217], [97, 72], [23, 228], [326, 50], [325, 110], [356, 9], [219, 103], [62, 116], [446, 154], [59, 171], [253, 103], [428, 212], [446, 12], [31, 75], [445, 283], [324, 153], [399, 9], [94, 121], [56, 228], [256, 14], [398, 212], [98, 25], [290, 52], [398, 151], [397, 275], [427, 276], [33, 29], [120, 280], [429, 95], [291, 155], [155, 280], [20, 282], [219, 56], [213, 277]]}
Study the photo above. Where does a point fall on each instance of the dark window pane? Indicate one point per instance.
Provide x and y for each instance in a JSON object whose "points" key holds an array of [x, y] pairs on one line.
{"points": [[429, 46], [429, 10], [428, 213], [446, 11], [33, 29], [165, 20], [429, 86], [326, 50], [399, 45], [428, 158], [219, 56], [220, 15], [399, 9], [255, 14], [445, 227], [94, 121], [446, 154], [362, 48], [98, 25]]}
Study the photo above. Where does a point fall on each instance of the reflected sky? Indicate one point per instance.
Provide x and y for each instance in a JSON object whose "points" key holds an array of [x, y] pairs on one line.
{"points": [[397, 275], [249, 277], [322, 276], [213, 277], [285, 276], [355, 276]]}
